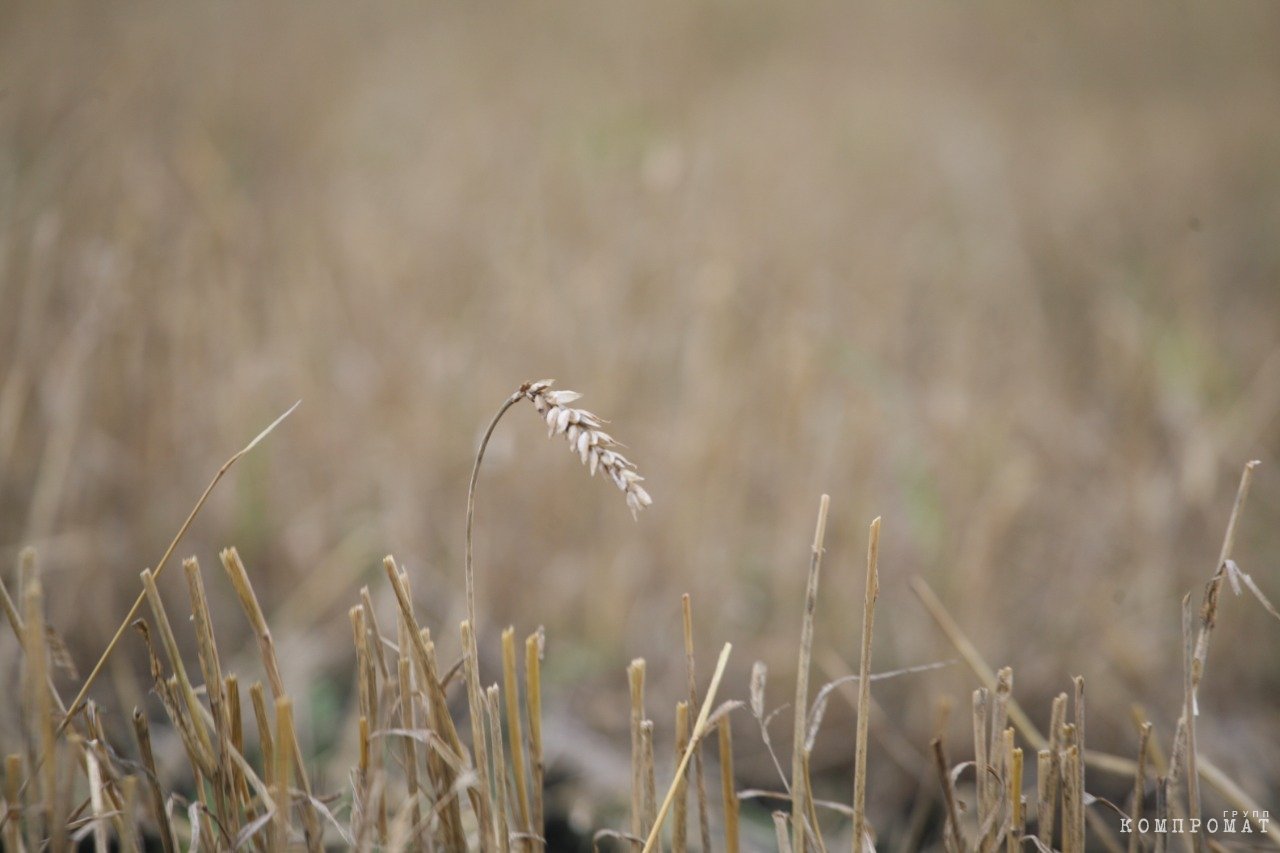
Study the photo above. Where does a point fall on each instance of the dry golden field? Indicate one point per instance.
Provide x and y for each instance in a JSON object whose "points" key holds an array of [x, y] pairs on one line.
{"points": [[1007, 276]]}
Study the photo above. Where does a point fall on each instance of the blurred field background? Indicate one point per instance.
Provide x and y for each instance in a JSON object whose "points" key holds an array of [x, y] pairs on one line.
{"points": [[1008, 276]]}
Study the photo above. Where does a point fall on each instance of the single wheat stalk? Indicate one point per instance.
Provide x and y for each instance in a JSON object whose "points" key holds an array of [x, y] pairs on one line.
{"points": [[586, 436], [864, 689]]}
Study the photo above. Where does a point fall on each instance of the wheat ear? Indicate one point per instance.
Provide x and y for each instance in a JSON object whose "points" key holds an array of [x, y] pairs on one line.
{"points": [[584, 431]]}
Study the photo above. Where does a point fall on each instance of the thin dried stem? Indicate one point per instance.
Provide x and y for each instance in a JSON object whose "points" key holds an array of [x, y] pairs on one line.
{"points": [[1189, 722], [471, 503], [871, 593], [799, 781], [160, 566], [699, 730], [954, 838]]}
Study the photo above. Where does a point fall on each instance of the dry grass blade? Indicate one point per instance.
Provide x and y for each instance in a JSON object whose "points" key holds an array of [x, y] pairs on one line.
{"points": [[864, 688], [160, 566], [699, 730], [799, 780]]}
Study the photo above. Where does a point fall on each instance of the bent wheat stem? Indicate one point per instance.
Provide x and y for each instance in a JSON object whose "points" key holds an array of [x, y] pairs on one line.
{"points": [[586, 436]]}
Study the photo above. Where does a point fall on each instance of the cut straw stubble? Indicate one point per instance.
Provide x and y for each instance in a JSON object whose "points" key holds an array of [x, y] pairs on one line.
{"points": [[864, 688], [800, 805], [699, 731]]}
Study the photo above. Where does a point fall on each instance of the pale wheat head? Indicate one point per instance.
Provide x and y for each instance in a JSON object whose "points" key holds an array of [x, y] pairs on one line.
{"points": [[584, 431], [586, 436]]}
